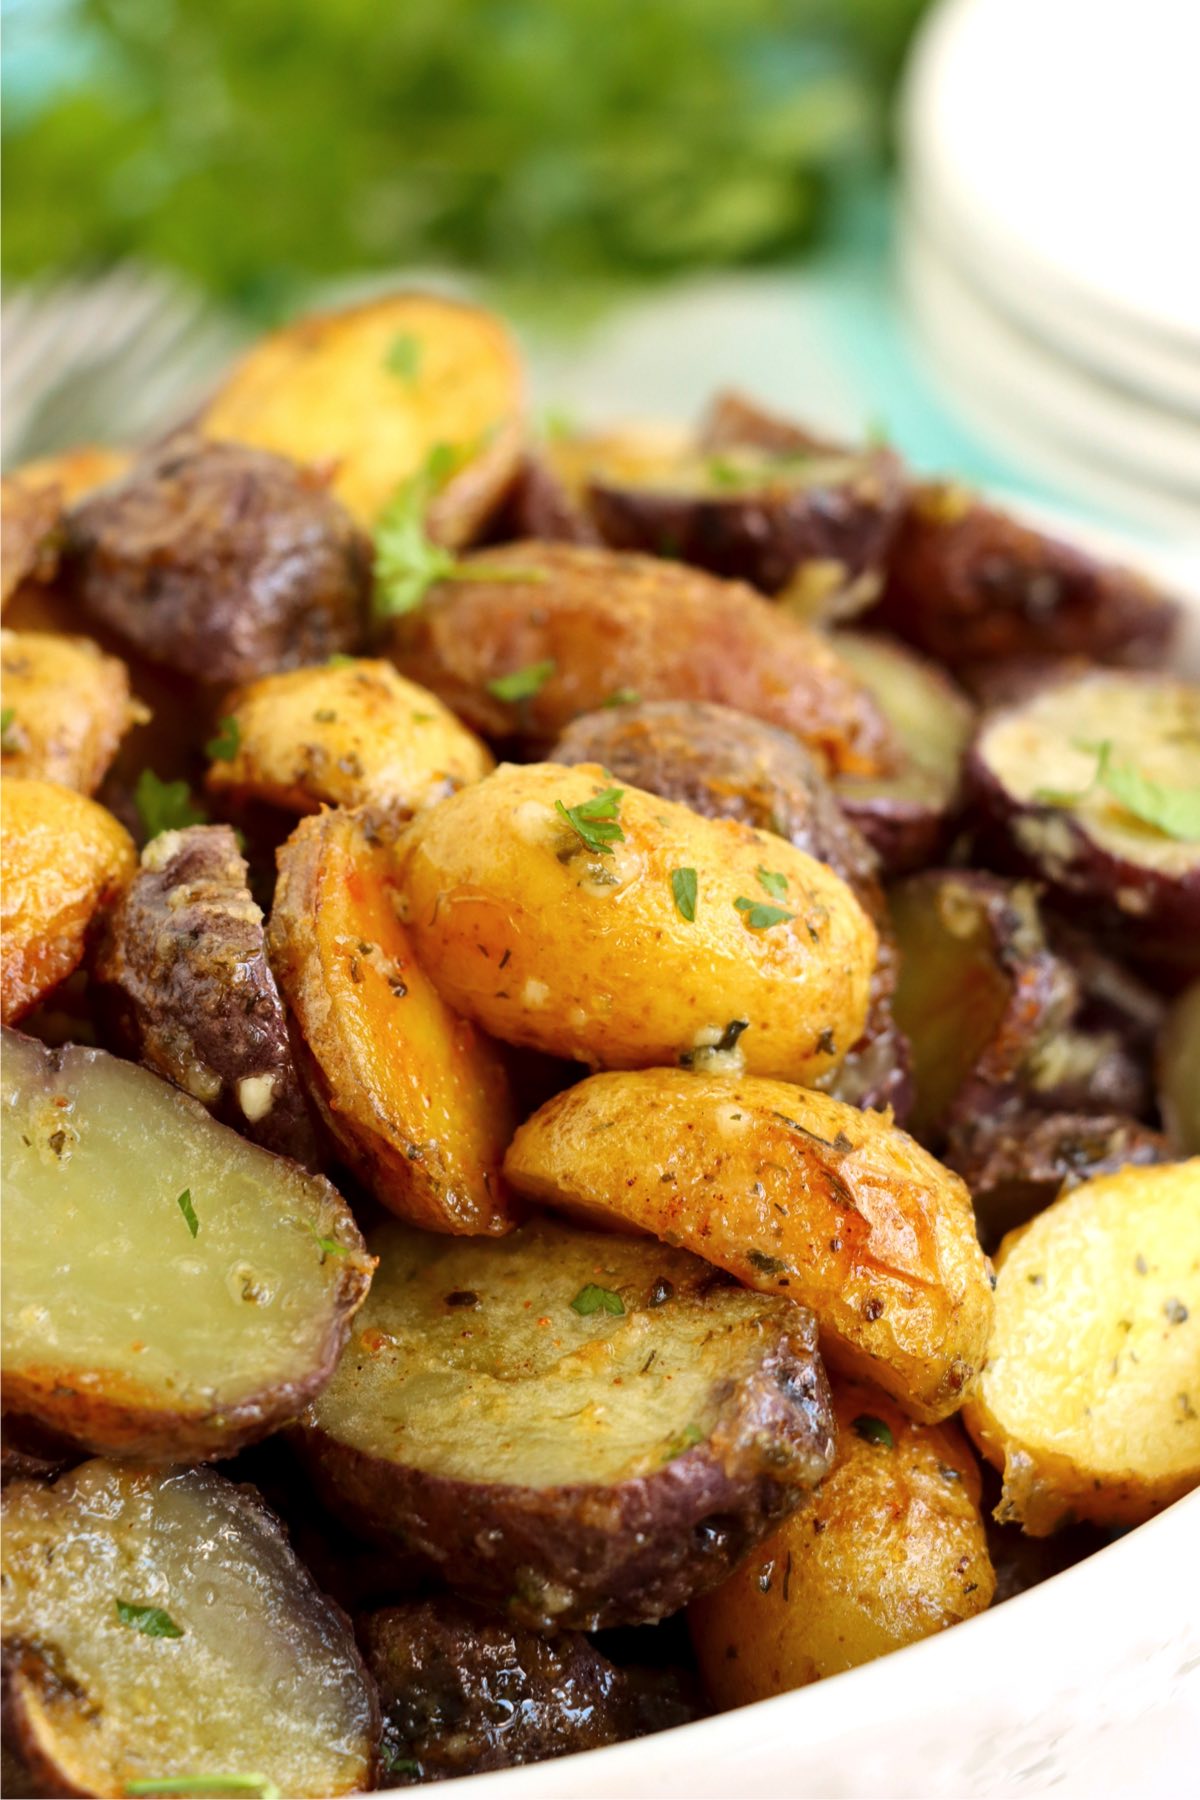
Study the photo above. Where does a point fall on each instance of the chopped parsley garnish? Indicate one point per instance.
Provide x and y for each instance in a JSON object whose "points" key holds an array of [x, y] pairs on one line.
{"points": [[184, 1203], [326, 1245], [165, 805], [1173, 811], [873, 1431], [760, 917], [772, 883], [595, 821], [684, 888], [224, 746], [256, 1786], [689, 1436], [593, 1299], [623, 696], [339, 660], [522, 684], [399, 1765], [766, 1264], [151, 1621], [8, 742], [403, 356]]}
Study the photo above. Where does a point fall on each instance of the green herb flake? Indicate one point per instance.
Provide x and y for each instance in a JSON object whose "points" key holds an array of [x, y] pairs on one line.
{"points": [[760, 917], [593, 1299], [522, 684], [595, 821], [766, 1264], [403, 357], [772, 883], [326, 1245], [684, 888], [687, 1439], [399, 1765], [873, 1431], [1173, 811], [224, 746], [165, 805], [151, 1621], [8, 740], [256, 1786], [624, 696], [339, 660], [407, 562], [184, 1203]]}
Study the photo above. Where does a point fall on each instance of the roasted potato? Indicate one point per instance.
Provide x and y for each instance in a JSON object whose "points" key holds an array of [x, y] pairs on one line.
{"points": [[792, 1192], [343, 734], [968, 584], [623, 930], [890, 1549], [74, 472], [416, 1098], [64, 859], [1092, 787], [66, 707], [161, 1637], [184, 985], [1088, 1399], [462, 1691], [907, 816], [1179, 1072], [576, 1428], [220, 562], [585, 626], [30, 535], [170, 1290], [372, 390]]}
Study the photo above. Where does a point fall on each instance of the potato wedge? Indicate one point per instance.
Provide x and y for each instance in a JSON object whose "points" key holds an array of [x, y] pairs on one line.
{"points": [[183, 985], [344, 734], [600, 954], [1088, 1399], [1179, 1071], [891, 1549], [64, 859], [792, 1192], [158, 1629], [66, 707], [416, 1098], [576, 1428], [373, 389], [588, 625], [169, 1289]]}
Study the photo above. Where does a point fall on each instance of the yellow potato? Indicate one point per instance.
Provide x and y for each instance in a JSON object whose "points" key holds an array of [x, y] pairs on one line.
{"points": [[75, 472], [66, 707], [417, 1099], [344, 733], [891, 1548], [373, 389], [63, 858], [588, 952], [793, 1193], [1089, 1400]]}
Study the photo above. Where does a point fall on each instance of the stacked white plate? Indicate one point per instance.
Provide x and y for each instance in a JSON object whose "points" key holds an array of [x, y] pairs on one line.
{"points": [[1051, 239]]}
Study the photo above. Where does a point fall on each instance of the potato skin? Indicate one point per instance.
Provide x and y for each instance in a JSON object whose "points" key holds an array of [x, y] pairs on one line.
{"points": [[524, 930], [890, 1549], [71, 707], [1179, 1071], [30, 516], [221, 562], [185, 987], [65, 859], [344, 734], [610, 622], [1087, 1402], [791, 1192], [416, 1098]]}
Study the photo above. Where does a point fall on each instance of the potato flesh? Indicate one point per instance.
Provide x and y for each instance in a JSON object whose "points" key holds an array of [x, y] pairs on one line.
{"points": [[546, 943], [890, 1549], [107, 1293], [522, 1388], [264, 1680], [69, 707], [1090, 1398], [792, 1192], [345, 735]]}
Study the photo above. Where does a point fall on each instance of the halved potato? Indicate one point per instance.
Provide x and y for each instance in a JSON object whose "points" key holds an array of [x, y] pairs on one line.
{"points": [[342, 734], [637, 934], [373, 389], [64, 859], [169, 1289], [416, 1097], [1090, 1397], [577, 1428], [590, 625], [890, 1549], [160, 1636], [66, 708], [793, 1193]]}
